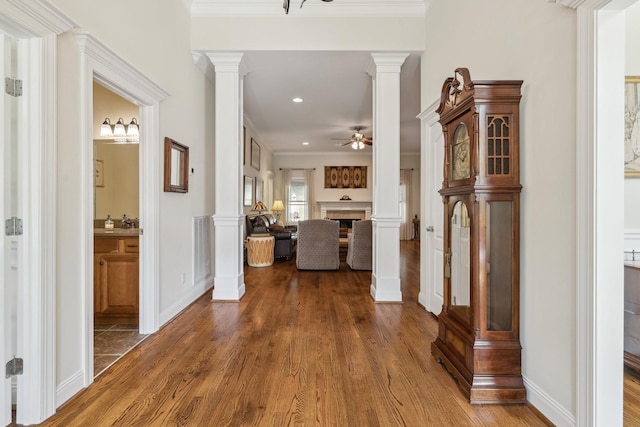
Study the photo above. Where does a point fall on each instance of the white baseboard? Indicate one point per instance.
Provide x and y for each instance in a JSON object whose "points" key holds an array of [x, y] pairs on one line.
{"points": [[551, 409], [69, 387], [194, 293]]}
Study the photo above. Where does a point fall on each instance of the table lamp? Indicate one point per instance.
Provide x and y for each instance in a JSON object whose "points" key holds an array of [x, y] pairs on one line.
{"points": [[259, 207], [277, 207]]}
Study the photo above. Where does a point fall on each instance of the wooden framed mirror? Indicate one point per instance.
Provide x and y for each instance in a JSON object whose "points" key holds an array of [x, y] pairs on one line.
{"points": [[176, 166]]}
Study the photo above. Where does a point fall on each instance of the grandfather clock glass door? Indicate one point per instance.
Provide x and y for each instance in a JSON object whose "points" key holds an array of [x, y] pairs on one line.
{"points": [[460, 268], [479, 336]]}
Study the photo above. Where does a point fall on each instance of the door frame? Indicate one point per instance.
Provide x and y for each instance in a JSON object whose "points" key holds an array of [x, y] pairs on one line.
{"points": [[36, 25], [101, 64], [599, 213], [431, 131]]}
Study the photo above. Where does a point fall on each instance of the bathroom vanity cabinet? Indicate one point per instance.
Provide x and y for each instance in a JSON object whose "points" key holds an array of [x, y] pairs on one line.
{"points": [[116, 272], [632, 314]]}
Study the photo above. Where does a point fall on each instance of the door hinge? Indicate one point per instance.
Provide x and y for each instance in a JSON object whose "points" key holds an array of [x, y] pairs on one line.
{"points": [[14, 367], [13, 226], [13, 86]]}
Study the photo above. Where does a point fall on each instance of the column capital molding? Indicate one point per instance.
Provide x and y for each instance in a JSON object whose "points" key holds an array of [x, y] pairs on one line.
{"points": [[228, 62], [386, 63]]}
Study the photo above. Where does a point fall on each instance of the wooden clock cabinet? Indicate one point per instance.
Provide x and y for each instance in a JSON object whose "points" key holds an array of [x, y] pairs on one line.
{"points": [[479, 338]]}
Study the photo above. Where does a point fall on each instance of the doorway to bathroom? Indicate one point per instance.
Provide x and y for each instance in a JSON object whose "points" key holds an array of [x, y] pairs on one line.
{"points": [[116, 248]]}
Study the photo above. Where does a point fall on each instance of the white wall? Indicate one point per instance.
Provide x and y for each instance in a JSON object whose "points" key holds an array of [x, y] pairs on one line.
{"points": [[533, 41], [292, 33], [265, 173], [632, 68], [155, 40]]}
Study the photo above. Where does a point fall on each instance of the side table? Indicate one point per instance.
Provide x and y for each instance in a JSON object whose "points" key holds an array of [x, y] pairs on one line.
{"points": [[260, 250]]}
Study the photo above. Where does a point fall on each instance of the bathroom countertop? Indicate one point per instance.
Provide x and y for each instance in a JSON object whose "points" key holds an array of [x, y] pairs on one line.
{"points": [[118, 232], [632, 264]]}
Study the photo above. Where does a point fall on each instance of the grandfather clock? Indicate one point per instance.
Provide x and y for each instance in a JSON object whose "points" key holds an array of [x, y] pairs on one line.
{"points": [[479, 336]]}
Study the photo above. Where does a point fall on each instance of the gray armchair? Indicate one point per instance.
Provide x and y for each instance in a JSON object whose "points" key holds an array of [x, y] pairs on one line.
{"points": [[360, 242], [318, 245]]}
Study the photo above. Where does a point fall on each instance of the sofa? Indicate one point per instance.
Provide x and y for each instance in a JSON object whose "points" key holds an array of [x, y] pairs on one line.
{"points": [[318, 245], [266, 224], [359, 251]]}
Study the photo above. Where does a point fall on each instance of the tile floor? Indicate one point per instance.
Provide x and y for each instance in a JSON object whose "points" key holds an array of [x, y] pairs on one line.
{"points": [[110, 342]]}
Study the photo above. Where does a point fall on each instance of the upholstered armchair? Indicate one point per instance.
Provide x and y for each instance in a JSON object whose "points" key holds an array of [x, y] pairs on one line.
{"points": [[318, 245], [359, 251]]}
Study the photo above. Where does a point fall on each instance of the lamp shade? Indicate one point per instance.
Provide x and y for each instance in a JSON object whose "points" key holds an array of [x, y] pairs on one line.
{"points": [[259, 206], [132, 129], [105, 129], [277, 206], [118, 129]]}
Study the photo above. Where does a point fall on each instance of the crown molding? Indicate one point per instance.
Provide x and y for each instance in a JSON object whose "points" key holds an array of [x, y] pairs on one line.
{"points": [[123, 74], [322, 153], [204, 64], [574, 4], [28, 18], [315, 9]]}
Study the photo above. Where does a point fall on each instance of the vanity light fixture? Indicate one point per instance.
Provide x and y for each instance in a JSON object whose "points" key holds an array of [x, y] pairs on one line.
{"points": [[120, 132]]}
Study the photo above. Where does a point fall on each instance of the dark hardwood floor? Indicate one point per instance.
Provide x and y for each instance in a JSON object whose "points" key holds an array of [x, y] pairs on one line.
{"points": [[301, 348]]}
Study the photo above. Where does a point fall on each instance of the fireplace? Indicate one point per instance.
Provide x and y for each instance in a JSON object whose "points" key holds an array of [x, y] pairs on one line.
{"points": [[346, 222], [345, 209]]}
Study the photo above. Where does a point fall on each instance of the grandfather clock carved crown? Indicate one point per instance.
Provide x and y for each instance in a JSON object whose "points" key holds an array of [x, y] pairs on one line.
{"points": [[479, 335]]}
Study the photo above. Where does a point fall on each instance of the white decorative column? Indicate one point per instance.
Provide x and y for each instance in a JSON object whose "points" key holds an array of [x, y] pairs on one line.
{"points": [[385, 278], [228, 217]]}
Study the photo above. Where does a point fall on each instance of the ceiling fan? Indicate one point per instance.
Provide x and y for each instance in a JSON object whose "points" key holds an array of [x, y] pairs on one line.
{"points": [[357, 141], [285, 5]]}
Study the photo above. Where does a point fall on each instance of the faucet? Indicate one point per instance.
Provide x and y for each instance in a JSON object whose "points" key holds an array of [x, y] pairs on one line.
{"points": [[129, 222]]}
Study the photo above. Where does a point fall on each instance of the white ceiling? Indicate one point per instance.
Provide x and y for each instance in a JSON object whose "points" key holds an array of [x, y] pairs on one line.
{"points": [[337, 95]]}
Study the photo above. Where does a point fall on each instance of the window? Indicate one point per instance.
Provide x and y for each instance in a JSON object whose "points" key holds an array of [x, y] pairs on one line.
{"points": [[298, 198]]}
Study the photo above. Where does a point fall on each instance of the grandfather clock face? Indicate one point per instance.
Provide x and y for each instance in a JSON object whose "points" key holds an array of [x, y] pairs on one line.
{"points": [[461, 163]]}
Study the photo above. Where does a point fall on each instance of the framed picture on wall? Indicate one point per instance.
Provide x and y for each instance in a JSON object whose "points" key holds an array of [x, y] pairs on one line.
{"points": [[632, 127], [255, 155], [248, 191]]}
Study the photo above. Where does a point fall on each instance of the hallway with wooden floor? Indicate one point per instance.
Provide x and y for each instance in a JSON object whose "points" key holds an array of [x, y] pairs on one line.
{"points": [[301, 348]]}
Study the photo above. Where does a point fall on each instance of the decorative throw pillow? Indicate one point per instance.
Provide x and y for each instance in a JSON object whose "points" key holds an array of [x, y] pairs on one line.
{"points": [[277, 228]]}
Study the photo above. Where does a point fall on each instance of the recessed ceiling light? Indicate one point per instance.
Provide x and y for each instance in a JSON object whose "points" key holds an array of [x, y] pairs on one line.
{"points": [[305, 142], [296, 99]]}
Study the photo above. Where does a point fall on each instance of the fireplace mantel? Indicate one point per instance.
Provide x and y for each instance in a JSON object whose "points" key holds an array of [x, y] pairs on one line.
{"points": [[345, 205]]}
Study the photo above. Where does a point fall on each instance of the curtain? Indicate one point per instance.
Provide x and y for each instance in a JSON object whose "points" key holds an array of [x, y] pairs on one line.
{"points": [[288, 175], [308, 182], [286, 182], [406, 204]]}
